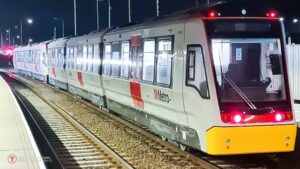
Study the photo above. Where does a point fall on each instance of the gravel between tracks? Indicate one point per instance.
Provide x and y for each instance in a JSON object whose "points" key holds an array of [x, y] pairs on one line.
{"points": [[139, 151]]}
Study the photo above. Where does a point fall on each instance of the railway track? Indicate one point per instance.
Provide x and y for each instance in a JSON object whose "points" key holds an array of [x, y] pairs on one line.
{"points": [[195, 159], [73, 144]]}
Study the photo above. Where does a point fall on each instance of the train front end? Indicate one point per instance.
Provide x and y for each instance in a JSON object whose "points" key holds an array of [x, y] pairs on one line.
{"points": [[251, 80]]}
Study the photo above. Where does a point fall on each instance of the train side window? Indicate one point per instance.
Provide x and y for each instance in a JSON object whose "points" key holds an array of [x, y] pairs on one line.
{"points": [[84, 58], [39, 57], [79, 57], [125, 59], [164, 62], [195, 70], [148, 60], [75, 57], [96, 59], [53, 57], [30, 56], [115, 59], [90, 59], [71, 58], [57, 57], [67, 57], [107, 59], [48, 57], [63, 59], [58, 54]]}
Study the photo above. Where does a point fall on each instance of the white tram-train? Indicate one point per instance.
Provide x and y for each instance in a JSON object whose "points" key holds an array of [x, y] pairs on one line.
{"points": [[218, 84]]}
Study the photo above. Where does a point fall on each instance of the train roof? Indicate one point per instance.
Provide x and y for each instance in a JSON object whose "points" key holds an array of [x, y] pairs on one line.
{"points": [[39, 45], [58, 43], [27, 47], [178, 16], [222, 9], [93, 37]]}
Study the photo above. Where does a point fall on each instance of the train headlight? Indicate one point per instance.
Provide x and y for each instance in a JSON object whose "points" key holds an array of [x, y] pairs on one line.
{"points": [[237, 118], [278, 117], [233, 118]]}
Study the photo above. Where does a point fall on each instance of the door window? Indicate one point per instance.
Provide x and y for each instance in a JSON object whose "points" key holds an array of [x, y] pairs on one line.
{"points": [[148, 60], [107, 58], [196, 74], [164, 62]]}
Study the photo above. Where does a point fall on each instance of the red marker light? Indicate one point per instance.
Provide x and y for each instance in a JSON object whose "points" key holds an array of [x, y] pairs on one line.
{"points": [[236, 117], [212, 14], [272, 14]]}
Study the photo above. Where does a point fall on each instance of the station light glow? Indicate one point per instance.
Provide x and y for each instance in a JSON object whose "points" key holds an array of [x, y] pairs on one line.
{"points": [[295, 20]]}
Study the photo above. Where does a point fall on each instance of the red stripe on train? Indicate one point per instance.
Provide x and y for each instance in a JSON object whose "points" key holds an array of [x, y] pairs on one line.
{"points": [[53, 72], [79, 77], [135, 91]]}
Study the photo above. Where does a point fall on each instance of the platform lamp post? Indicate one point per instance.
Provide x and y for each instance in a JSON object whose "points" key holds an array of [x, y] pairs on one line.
{"points": [[157, 7], [8, 31], [29, 21], [109, 12], [129, 11], [62, 25], [75, 18], [98, 24]]}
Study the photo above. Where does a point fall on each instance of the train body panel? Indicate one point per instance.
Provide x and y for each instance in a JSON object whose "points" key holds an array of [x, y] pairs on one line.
{"points": [[56, 63], [293, 53], [83, 67], [162, 100], [38, 61], [201, 106]]}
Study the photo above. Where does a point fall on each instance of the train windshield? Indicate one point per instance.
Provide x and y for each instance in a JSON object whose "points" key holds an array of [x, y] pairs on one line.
{"points": [[248, 65]]}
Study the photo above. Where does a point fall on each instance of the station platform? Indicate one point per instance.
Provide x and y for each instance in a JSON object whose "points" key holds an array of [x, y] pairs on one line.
{"points": [[18, 149]]}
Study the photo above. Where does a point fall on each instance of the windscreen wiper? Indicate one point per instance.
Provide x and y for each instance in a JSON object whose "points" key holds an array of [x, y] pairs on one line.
{"points": [[241, 94]]}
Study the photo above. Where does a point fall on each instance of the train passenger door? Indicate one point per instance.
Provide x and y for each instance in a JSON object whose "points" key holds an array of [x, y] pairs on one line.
{"points": [[196, 74], [134, 76], [196, 91]]}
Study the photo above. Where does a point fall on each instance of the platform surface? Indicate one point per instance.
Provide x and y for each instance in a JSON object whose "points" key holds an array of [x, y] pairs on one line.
{"points": [[18, 149]]}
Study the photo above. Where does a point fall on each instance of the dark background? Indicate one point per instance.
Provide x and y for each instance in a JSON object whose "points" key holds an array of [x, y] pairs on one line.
{"points": [[12, 12]]}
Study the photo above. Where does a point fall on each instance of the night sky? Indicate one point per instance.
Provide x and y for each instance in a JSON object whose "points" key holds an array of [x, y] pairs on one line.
{"points": [[12, 12]]}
